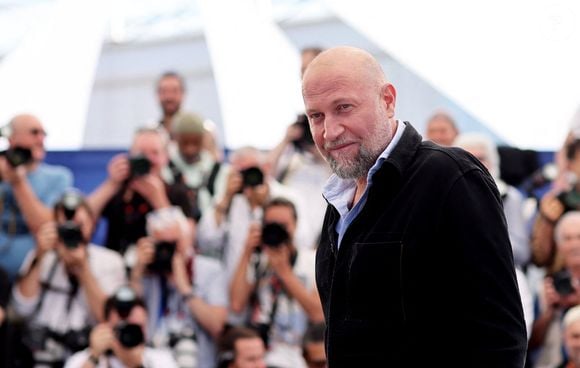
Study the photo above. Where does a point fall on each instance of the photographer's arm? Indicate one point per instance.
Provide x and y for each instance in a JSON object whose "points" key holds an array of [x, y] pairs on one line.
{"points": [[293, 132], [118, 170], [96, 297], [240, 287], [35, 213], [546, 317], [145, 255], [309, 300], [233, 185], [29, 284]]}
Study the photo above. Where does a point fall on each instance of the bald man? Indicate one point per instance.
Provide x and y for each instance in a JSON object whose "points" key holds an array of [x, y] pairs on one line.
{"points": [[414, 267], [27, 191]]}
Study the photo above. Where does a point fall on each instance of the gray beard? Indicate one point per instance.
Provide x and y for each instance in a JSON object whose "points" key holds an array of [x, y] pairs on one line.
{"points": [[354, 169]]}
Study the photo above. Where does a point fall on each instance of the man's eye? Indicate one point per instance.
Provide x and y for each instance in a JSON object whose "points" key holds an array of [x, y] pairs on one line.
{"points": [[343, 107], [315, 115]]}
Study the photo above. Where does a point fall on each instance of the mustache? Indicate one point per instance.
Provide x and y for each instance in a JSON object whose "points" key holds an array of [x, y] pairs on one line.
{"points": [[337, 143]]}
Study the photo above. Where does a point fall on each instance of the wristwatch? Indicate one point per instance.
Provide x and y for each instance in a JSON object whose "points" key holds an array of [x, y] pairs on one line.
{"points": [[94, 359], [188, 296]]}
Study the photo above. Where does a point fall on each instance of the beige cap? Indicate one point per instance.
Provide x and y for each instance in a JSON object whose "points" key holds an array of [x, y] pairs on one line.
{"points": [[184, 123]]}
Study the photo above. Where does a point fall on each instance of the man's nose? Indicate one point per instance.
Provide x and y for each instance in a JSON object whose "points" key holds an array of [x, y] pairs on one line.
{"points": [[333, 128]]}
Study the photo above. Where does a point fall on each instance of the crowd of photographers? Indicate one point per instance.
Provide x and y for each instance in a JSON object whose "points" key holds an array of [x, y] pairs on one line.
{"points": [[209, 262], [205, 262]]}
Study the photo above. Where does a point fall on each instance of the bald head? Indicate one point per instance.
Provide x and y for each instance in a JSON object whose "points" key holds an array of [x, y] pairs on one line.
{"points": [[350, 108], [26, 131], [23, 121], [345, 62]]}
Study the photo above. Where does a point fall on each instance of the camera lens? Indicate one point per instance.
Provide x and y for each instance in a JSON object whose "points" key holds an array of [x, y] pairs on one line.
{"points": [[274, 235], [129, 334]]}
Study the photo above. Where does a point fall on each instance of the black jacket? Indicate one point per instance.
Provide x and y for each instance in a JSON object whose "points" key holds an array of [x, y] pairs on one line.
{"points": [[424, 275]]}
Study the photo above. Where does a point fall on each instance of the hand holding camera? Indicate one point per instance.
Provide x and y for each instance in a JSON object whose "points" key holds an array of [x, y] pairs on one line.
{"points": [[551, 207], [10, 173], [152, 188], [561, 290], [254, 238], [118, 168], [46, 238], [101, 339]]}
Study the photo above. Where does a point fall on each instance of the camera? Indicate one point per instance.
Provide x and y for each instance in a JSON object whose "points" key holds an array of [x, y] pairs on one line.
{"points": [[305, 140], [274, 235], [562, 281], [139, 165], [252, 177], [17, 156], [163, 257], [70, 234], [129, 334], [570, 200]]}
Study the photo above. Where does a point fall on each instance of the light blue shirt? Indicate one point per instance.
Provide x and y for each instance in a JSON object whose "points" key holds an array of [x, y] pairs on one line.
{"points": [[340, 192]]}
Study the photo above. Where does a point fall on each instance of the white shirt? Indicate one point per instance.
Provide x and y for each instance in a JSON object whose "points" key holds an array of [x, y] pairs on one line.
{"points": [[152, 358], [109, 271]]}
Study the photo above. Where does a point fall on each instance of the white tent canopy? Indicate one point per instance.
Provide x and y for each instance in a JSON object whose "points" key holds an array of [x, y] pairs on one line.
{"points": [[509, 65]]}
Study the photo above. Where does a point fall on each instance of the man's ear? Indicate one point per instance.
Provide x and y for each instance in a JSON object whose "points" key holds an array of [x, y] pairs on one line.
{"points": [[389, 97]]}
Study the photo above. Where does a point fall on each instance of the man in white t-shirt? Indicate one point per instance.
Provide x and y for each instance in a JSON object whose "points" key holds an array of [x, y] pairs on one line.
{"points": [[120, 341], [65, 282], [276, 281]]}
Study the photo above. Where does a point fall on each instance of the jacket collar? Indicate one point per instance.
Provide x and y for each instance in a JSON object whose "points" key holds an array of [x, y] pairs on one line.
{"points": [[407, 147]]}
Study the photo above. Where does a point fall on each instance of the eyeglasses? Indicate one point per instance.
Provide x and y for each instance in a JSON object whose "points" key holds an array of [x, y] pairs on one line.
{"points": [[37, 132]]}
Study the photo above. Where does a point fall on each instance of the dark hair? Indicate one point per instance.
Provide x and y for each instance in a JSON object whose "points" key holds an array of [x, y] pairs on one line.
{"points": [[311, 50], [172, 74], [111, 303], [572, 149], [60, 205], [282, 202], [227, 343]]}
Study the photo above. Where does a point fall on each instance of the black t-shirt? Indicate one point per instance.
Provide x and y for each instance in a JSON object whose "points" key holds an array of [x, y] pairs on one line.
{"points": [[126, 219]]}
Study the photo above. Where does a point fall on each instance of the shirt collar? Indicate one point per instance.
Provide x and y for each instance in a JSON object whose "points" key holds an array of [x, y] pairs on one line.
{"points": [[339, 192]]}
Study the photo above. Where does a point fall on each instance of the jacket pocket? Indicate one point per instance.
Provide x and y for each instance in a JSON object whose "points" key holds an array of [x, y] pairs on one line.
{"points": [[374, 289]]}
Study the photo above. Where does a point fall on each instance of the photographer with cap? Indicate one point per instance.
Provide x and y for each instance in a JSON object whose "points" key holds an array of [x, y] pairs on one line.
{"points": [[276, 281], [64, 283], [186, 297], [119, 342], [28, 189], [193, 165]]}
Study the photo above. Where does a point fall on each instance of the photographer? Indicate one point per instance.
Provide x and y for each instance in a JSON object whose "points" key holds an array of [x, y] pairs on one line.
{"points": [[552, 206], [241, 347], [186, 316], [134, 189], [559, 292], [276, 280], [120, 340], [28, 190], [193, 165], [64, 282], [222, 231]]}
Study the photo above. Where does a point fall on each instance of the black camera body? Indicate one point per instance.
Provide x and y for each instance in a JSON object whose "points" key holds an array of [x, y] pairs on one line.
{"points": [[17, 156], [252, 177], [570, 200], [129, 334], [70, 234], [305, 140], [139, 165], [274, 235], [562, 281], [162, 261]]}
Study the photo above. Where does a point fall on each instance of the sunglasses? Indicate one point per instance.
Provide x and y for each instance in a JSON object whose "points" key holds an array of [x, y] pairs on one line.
{"points": [[37, 132]]}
